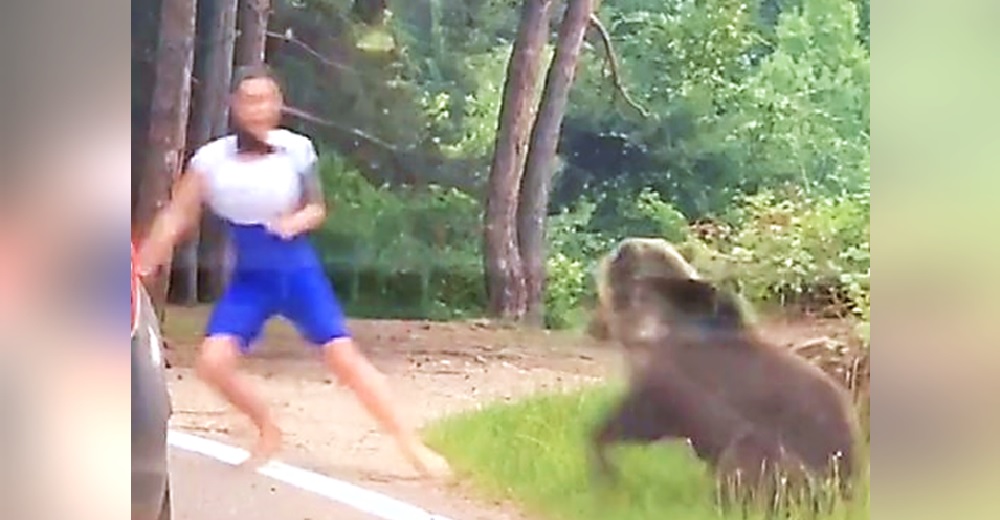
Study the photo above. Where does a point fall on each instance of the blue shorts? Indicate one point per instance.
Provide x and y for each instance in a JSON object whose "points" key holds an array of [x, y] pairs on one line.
{"points": [[301, 295]]}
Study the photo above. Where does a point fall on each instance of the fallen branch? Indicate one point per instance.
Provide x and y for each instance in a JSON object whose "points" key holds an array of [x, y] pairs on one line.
{"points": [[611, 63]]}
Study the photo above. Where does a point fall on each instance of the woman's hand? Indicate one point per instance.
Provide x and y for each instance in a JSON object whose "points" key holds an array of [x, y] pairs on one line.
{"points": [[284, 227], [312, 210], [170, 226], [294, 224], [158, 247]]}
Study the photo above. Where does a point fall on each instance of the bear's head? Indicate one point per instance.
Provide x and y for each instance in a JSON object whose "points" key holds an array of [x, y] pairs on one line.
{"points": [[632, 258], [647, 308]]}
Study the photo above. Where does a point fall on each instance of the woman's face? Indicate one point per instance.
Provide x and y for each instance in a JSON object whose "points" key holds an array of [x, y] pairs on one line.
{"points": [[257, 105]]}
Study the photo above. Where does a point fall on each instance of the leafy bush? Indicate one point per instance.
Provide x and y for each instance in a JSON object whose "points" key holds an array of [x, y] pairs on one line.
{"points": [[401, 253], [573, 252], [565, 291], [783, 246], [788, 246], [803, 115], [621, 212]]}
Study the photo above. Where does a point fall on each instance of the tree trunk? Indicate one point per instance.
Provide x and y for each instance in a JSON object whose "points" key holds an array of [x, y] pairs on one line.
{"points": [[213, 122], [504, 273], [168, 121], [184, 273], [536, 183], [252, 45]]}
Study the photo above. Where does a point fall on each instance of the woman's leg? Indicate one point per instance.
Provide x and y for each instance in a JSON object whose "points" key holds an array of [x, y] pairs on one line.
{"points": [[352, 368], [234, 325], [313, 308], [217, 366]]}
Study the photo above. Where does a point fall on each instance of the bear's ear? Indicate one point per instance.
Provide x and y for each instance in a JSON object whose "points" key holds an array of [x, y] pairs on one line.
{"points": [[693, 298], [729, 311], [624, 263], [701, 300]]}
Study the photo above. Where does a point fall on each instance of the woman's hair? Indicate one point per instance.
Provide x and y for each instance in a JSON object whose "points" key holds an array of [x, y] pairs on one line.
{"points": [[259, 71], [245, 141]]}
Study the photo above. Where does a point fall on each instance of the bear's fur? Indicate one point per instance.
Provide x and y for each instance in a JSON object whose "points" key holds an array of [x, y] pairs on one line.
{"points": [[631, 258], [744, 404]]}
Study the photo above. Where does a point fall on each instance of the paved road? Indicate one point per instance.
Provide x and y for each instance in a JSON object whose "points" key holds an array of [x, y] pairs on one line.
{"points": [[205, 489]]}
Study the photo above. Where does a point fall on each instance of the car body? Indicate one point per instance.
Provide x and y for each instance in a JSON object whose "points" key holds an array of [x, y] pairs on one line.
{"points": [[151, 411]]}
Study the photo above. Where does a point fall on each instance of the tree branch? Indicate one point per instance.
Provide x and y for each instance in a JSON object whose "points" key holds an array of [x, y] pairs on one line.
{"points": [[611, 62], [384, 163], [353, 132], [289, 37]]}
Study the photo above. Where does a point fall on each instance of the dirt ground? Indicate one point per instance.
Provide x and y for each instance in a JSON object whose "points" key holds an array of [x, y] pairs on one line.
{"points": [[434, 369]]}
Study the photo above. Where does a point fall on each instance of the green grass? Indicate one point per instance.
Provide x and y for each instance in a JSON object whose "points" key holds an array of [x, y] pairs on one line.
{"points": [[534, 453]]}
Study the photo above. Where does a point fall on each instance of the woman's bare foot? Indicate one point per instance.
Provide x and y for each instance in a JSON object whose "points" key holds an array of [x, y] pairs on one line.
{"points": [[425, 460], [345, 360], [267, 445]]}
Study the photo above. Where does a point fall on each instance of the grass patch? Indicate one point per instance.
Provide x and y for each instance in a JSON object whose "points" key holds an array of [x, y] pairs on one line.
{"points": [[534, 453]]}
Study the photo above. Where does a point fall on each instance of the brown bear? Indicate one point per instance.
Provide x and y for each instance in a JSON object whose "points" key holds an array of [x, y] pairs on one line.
{"points": [[746, 406]]}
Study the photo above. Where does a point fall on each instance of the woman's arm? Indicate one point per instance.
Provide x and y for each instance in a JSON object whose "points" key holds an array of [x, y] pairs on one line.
{"points": [[312, 214], [172, 224], [312, 210]]}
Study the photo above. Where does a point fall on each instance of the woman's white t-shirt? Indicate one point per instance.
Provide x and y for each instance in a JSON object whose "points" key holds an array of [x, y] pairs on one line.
{"points": [[254, 190]]}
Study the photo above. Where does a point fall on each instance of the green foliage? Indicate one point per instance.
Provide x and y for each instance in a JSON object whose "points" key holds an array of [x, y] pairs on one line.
{"points": [[684, 61], [401, 253], [797, 244], [565, 290], [620, 212], [420, 249], [650, 215], [787, 248], [534, 452], [573, 250], [804, 113], [742, 96], [676, 56], [781, 246], [744, 99], [465, 125], [571, 231]]}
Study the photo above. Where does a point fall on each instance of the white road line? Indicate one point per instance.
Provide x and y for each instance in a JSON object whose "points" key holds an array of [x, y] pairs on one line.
{"points": [[364, 500]]}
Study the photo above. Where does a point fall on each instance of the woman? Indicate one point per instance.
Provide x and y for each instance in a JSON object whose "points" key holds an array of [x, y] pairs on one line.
{"points": [[263, 183]]}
